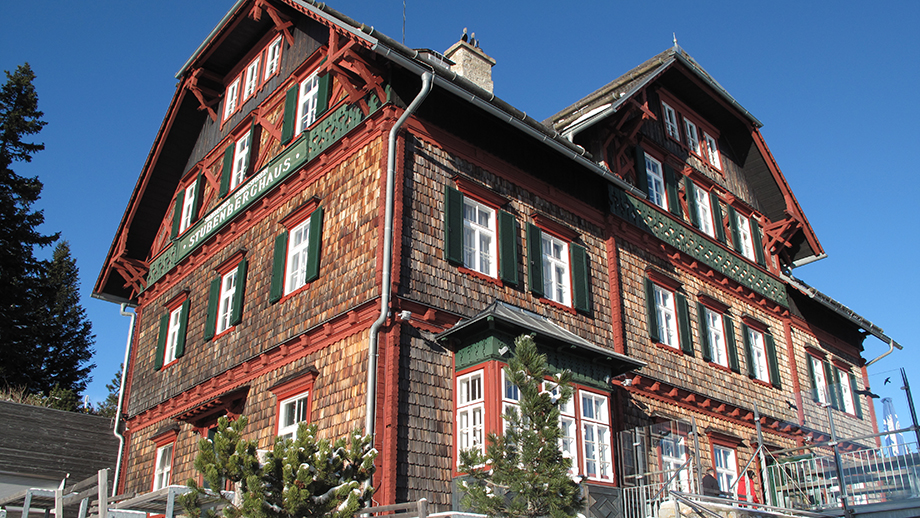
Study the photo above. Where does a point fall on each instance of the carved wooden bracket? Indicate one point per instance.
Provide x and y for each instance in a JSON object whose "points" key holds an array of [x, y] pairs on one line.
{"points": [[207, 97], [353, 73], [778, 233], [282, 23]]}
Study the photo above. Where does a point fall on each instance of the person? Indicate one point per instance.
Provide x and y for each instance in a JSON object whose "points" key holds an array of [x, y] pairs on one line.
{"points": [[746, 489], [711, 484]]}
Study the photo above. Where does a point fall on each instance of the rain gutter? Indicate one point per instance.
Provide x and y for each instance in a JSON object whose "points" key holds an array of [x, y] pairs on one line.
{"points": [[121, 396]]}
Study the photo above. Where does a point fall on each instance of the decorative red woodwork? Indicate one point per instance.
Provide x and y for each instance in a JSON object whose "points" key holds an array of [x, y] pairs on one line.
{"points": [[282, 23], [207, 97], [353, 72]]}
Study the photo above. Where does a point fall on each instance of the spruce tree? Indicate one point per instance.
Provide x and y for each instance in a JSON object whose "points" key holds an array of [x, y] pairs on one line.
{"points": [[19, 235], [307, 477], [524, 472], [109, 407], [66, 336]]}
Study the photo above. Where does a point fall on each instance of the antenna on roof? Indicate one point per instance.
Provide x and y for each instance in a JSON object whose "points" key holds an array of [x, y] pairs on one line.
{"points": [[674, 34], [404, 22]]}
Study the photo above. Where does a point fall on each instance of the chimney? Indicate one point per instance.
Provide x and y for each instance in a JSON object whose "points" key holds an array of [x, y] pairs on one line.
{"points": [[470, 62]]}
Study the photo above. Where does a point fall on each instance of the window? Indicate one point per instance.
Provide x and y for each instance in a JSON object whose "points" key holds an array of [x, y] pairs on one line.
{"points": [[656, 187], [225, 297], [293, 411], [712, 151], [670, 122], [163, 469], [240, 160], [556, 270], [272, 58], [726, 466], [296, 259], [667, 313], [171, 338], [666, 316], [745, 242], [251, 82], [230, 98], [846, 392], [568, 443], [479, 238], [693, 139], [595, 425], [758, 355], [760, 350], [715, 336], [307, 103], [818, 381], [470, 425], [704, 217], [673, 460], [188, 207], [511, 397]]}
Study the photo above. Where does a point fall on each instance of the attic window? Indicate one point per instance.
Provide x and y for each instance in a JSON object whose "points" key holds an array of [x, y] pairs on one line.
{"points": [[230, 98]]}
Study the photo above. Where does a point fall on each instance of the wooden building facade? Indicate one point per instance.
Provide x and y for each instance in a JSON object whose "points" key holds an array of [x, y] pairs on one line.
{"points": [[644, 234]]}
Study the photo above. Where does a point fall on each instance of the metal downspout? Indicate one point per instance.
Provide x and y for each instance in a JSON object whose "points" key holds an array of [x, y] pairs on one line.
{"points": [[121, 397], [387, 254]]}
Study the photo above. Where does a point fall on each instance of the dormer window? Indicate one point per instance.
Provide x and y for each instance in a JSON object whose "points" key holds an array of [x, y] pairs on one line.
{"points": [[230, 98], [252, 78], [272, 58]]}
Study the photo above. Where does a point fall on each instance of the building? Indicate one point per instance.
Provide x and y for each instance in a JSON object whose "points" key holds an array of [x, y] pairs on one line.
{"points": [[645, 234]]}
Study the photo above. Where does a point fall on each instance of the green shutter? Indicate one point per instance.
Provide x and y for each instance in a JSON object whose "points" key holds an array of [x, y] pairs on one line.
{"points": [[535, 259], [183, 325], [733, 223], [507, 248], [161, 341], [853, 387], [453, 225], [581, 299], [210, 324], [829, 382], [651, 314], [691, 202], [227, 170], [177, 214], [670, 185], [705, 344], [812, 383], [251, 157], [315, 240], [197, 192], [278, 264], [772, 360], [730, 344], [838, 390], [748, 352], [290, 114], [717, 216], [758, 244], [236, 311], [683, 322], [322, 98], [641, 173]]}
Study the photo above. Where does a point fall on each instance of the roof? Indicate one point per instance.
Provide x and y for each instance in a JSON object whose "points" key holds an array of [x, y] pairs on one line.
{"points": [[544, 329]]}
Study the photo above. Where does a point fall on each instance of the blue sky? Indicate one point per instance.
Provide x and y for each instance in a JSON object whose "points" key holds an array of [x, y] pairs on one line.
{"points": [[831, 82]]}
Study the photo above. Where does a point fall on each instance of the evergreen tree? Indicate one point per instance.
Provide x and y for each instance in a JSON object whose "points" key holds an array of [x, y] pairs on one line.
{"points": [[109, 407], [524, 472], [66, 336], [302, 478], [19, 269]]}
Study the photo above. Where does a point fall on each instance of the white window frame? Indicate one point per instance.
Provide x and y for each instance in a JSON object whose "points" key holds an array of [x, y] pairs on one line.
{"points": [[744, 234], [817, 367], [666, 313], [162, 473], [470, 412], [251, 82], [240, 160], [693, 137], [172, 335], [231, 96], [568, 425], [225, 301], [188, 207], [715, 326], [846, 392], [596, 438], [670, 121], [655, 178], [673, 457], [557, 280], [712, 151], [272, 58], [307, 102], [297, 256], [511, 397], [725, 462], [293, 411], [704, 210], [759, 355], [479, 237]]}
